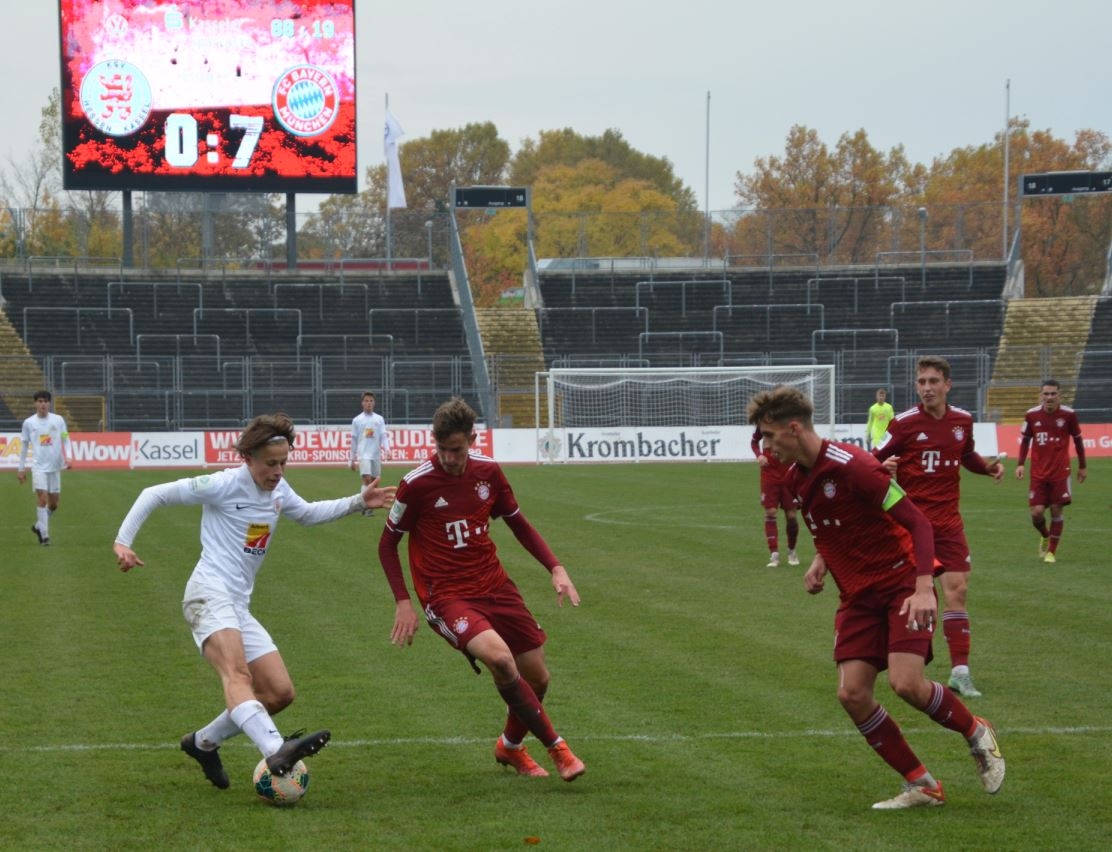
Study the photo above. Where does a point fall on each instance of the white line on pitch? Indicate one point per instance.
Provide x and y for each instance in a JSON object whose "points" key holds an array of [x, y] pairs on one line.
{"points": [[647, 738]]}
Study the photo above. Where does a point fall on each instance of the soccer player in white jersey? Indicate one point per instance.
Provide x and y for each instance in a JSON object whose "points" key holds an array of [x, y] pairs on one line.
{"points": [[369, 440], [241, 507], [46, 435]]}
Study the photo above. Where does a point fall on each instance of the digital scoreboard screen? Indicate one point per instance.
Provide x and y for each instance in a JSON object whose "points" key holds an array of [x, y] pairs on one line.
{"points": [[209, 95]]}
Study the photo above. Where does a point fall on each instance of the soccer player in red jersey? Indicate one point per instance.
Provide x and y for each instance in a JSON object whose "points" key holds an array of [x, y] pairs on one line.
{"points": [[1050, 425], [925, 448], [879, 548], [775, 495], [446, 505]]}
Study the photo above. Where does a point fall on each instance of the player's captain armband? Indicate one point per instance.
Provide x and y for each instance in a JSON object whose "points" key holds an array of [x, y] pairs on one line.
{"points": [[200, 483], [396, 511], [895, 495]]}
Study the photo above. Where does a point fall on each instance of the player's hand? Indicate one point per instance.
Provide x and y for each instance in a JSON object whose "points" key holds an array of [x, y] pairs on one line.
{"points": [[353, 465], [921, 607], [564, 587], [891, 464], [405, 624], [378, 498], [21, 476], [126, 557], [1019, 471], [762, 461], [996, 471], [1081, 474], [813, 577]]}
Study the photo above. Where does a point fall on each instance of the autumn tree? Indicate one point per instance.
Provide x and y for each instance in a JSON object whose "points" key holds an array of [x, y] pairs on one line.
{"points": [[1064, 239], [851, 203], [355, 226], [31, 190], [816, 203]]}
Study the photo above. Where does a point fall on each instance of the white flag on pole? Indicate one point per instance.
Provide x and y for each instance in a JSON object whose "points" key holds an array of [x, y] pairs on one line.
{"points": [[395, 191]]}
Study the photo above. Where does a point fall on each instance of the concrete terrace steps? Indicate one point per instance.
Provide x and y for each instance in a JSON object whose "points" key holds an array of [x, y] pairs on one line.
{"points": [[22, 371], [512, 334], [1042, 338]]}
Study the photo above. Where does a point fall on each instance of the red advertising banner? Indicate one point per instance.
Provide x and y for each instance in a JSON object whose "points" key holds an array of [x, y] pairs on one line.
{"points": [[1097, 438], [418, 445]]}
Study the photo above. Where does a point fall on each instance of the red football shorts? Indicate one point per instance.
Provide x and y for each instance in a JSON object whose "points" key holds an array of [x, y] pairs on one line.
{"points": [[504, 611], [1050, 492], [776, 496], [869, 627], [951, 550]]}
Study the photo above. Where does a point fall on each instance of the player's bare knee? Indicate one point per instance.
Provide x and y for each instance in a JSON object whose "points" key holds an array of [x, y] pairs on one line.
{"points": [[502, 668], [856, 701], [909, 688], [278, 700]]}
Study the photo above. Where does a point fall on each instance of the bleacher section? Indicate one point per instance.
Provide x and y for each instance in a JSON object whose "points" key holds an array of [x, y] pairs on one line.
{"points": [[1093, 400], [174, 352], [865, 321]]}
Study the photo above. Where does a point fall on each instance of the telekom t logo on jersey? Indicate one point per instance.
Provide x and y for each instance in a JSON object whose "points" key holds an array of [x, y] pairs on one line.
{"points": [[929, 460], [460, 531]]}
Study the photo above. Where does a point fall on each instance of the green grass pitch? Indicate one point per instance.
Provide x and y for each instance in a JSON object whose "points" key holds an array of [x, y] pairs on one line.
{"points": [[695, 683]]}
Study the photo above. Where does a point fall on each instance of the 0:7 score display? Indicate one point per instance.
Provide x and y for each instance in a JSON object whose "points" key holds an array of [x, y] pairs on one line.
{"points": [[184, 146]]}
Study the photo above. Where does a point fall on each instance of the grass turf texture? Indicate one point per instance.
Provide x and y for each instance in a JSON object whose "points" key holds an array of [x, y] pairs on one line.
{"points": [[695, 683]]}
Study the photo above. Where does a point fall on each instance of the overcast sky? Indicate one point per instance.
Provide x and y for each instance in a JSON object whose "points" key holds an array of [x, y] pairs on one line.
{"points": [[928, 75]]}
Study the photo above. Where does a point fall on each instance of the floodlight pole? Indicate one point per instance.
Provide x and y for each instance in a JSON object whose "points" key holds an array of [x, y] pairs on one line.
{"points": [[923, 246], [706, 191]]}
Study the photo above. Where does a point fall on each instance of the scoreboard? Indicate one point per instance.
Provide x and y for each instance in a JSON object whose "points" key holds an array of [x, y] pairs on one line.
{"points": [[1065, 183], [209, 95]]}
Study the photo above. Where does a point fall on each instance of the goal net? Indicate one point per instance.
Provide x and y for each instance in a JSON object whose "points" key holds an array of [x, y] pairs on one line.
{"points": [[644, 398]]}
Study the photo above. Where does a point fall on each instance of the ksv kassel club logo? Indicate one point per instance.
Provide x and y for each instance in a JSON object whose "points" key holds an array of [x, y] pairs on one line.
{"points": [[305, 100], [116, 97]]}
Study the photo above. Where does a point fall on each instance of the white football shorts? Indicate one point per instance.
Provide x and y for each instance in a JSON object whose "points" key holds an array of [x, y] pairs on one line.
{"points": [[209, 609], [50, 482]]}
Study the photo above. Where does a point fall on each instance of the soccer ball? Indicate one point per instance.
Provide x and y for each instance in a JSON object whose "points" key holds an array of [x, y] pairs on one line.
{"points": [[281, 790]]}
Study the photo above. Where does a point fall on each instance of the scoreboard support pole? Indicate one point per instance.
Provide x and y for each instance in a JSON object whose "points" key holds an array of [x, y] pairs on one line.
{"points": [[291, 231], [129, 231]]}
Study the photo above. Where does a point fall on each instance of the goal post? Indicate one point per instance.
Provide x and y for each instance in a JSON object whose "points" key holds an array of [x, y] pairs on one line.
{"points": [[621, 401]]}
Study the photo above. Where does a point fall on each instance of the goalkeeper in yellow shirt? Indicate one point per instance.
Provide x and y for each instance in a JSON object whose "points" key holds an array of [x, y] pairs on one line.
{"points": [[880, 413]]}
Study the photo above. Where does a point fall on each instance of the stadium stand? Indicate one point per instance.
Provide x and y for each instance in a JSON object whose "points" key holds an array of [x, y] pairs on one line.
{"points": [[1093, 400], [867, 321], [166, 350]]}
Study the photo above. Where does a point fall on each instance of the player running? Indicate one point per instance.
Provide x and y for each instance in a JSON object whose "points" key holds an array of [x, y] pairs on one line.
{"points": [[446, 505], [1047, 429], [925, 448], [880, 550]]}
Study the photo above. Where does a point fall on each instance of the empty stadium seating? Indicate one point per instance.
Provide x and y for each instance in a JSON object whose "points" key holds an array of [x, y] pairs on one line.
{"points": [[861, 319], [172, 351]]}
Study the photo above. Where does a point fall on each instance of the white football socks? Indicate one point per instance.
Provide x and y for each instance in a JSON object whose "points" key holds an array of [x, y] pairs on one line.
{"points": [[213, 734], [251, 718]]}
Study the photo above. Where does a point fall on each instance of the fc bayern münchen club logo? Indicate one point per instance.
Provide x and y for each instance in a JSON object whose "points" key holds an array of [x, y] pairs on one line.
{"points": [[305, 100], [116, 97]]}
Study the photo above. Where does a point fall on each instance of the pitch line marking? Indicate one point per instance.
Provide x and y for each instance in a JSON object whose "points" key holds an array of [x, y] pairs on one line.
{"points": [[644, 513], [641, 738]]}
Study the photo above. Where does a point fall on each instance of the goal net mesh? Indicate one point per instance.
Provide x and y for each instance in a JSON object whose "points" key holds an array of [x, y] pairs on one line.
{"points": [[703, 396]]}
